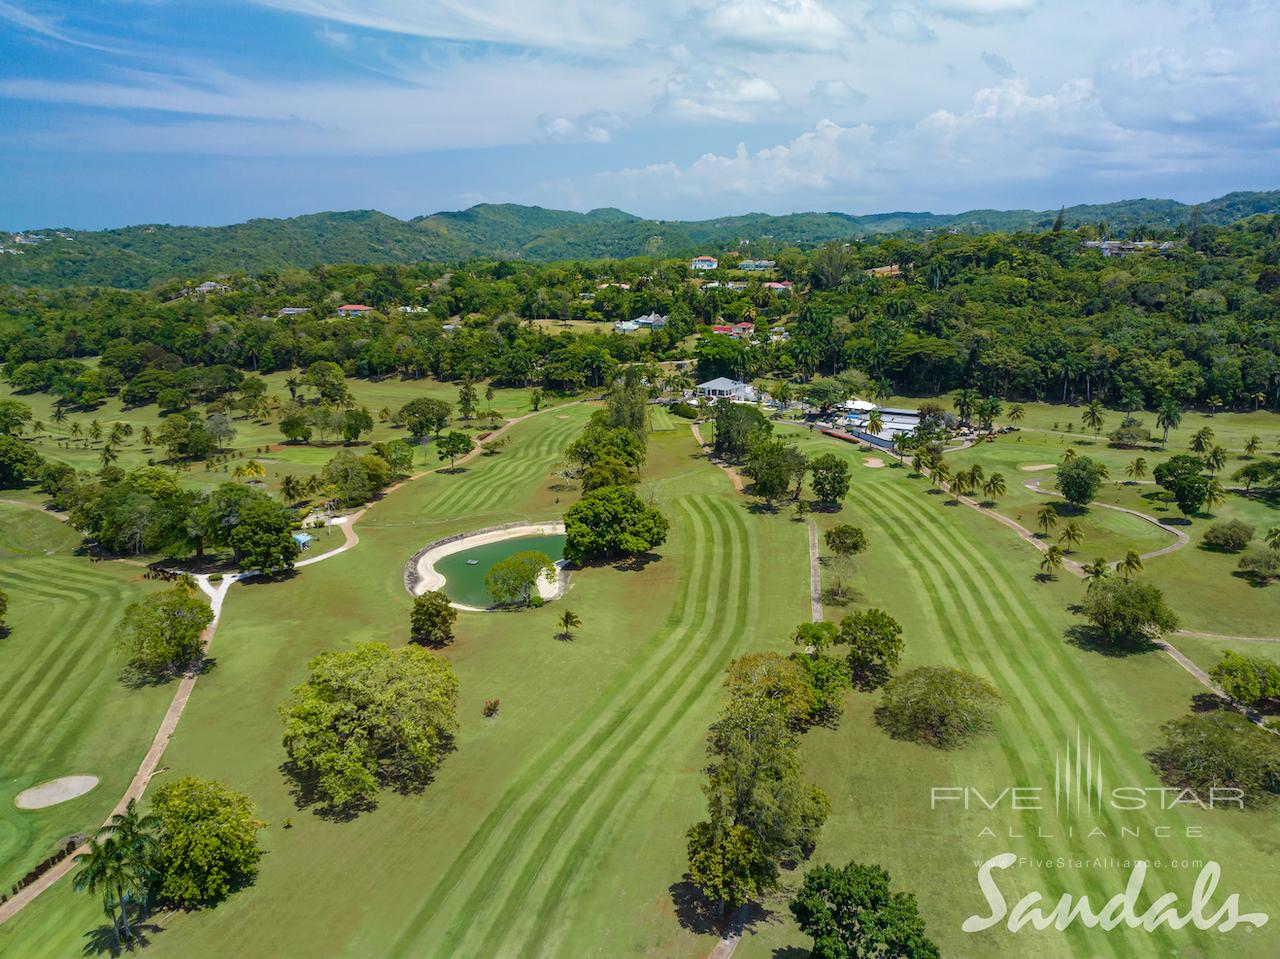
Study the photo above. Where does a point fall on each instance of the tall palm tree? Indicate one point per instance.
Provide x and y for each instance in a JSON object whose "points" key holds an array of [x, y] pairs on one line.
{"points": [[1168, 417], [994, 487], [147, 438], [1069, 455], [1202, 440], [940, 475], [1131, 565], [875, 422], [976, 476], [59, 413], [1137, 469], [1250, 447], [108, 455], [1016, 413], [568, 621], [965, 400], [1093, 416], [961, 484], [1215, 459], [1096, 572], [1047, 518], [97, 875], [1214, 494], [1072, 535], [292, 490], [1052, 561]]}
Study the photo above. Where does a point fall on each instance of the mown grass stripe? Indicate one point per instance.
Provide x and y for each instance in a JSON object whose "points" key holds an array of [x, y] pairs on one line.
{"points": [[593, 832], [629, 681], [930, 578], [1038, 689], [629, 723]]}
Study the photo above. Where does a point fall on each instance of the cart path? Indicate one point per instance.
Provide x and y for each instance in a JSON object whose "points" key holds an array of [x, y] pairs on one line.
{"points": [[815, 575], [1181, 538], [706, 448], [217, 595]]}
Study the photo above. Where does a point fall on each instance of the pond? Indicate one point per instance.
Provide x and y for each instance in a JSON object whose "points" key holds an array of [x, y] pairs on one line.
{"points": [[464, 581]]}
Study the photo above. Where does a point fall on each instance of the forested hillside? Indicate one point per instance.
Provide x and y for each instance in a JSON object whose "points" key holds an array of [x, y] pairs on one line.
{"points": [[135, 257], [1195, 321]]}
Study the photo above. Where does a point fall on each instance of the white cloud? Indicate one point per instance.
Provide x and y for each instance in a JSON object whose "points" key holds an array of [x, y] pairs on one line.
{"points": [[47, 28], [837, 93], [721, 94], [592, 128], [980, 9], [777, 24]]}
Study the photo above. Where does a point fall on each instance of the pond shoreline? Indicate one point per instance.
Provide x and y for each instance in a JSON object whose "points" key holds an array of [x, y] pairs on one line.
{"points": [[421, 575]]}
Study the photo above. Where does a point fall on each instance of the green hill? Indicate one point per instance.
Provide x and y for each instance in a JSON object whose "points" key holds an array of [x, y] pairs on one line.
{"points": [[139, 255]]}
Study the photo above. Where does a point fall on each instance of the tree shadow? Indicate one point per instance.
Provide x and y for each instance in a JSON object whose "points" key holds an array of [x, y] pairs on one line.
{"points": [[1093, 640], [791, 952], [102, 939], [696, 914], [135, 677]]}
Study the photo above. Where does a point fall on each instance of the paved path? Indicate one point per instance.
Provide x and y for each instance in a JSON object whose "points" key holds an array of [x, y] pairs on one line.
{"points": [[815, 575], [1181, 539], [1229, 639], [706, 448], [217, 595]]}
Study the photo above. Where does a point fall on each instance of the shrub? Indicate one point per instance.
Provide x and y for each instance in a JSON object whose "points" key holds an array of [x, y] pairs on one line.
{"points": [[938, 706], [684, 410], [1260, 563], [1124, 610], [491, 706], [1130, 433], [1219, 750], [1248, 679], [1229, 537]]}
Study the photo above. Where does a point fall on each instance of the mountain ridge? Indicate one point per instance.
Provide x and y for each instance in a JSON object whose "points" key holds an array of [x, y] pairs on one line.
{"points": [[135, 256]]}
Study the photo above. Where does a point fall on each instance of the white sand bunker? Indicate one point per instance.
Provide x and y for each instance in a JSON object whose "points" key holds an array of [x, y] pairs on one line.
{"points": [[874, 462], [55, 791], [1037, 467], [428, 577]]}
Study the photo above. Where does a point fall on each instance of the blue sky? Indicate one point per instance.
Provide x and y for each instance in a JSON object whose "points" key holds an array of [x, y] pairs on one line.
{"points": [[139, 111]]}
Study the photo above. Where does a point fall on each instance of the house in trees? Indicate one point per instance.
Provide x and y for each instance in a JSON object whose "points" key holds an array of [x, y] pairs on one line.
{"points": [[354, 309], [703, 263], [724, 388]]}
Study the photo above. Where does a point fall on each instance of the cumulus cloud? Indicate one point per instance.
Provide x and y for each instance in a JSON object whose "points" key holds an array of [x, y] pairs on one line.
{"points": [[595, 127], [777, 24], [719, 93]]}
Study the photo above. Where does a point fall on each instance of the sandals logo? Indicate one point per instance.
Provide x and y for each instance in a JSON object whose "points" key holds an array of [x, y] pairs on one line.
{"points": [[1081, 790]]}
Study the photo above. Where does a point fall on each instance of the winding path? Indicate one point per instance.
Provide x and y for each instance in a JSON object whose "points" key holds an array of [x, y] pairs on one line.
{"points": [[217, 595]]}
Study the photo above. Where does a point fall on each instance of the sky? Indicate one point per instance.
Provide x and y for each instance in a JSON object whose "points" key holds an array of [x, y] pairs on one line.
{"points": [[120, 112]]}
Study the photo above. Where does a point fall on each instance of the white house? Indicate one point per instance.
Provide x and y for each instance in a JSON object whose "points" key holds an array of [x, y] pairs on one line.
{"points": [[724, 388], [626, 326], [756, 265], [703, 263], [652, 321], [292, 311]]}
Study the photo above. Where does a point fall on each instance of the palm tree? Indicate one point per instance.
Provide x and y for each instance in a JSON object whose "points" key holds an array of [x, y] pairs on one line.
{"points": [[875, 422], [292, 384], [1169, 417], [1137, 469], [1069, 455], [76, 430], [994, 488], [961, 484], [976, 475], [940, 475], [1104, 471], [568, 621], [1202, 441], [1250, 447], [1273, 537], [1215, 459], [1047, 518], [292, 490], [108, 455], [1131, 565], [59, 413], [1016, 413], [95, 431], [965, 400], [1052, 561], [1072, 535], [1093, 416], [250, 469], [97, 875], [1214, 494], [1096, 572], [37, 427], [917, 462]]}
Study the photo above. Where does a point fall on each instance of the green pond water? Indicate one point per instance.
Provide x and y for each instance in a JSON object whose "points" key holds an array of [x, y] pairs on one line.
{"points": [[464, 582]]}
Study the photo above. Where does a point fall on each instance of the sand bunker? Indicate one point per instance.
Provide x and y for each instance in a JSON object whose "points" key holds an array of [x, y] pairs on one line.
{"points": [[1038, 467], [55, 791], [874, 462], [430, 578]]}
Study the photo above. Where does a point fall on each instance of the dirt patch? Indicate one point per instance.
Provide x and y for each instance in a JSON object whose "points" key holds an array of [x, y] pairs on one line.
{"points": [[562, 417], [54, 791], [1037, 467], [874, 462]]}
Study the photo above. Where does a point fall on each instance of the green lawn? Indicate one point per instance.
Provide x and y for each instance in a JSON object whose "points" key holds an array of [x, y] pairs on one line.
{"points": [[661, 420], [65, 711], [556, 828], [255, 439]]}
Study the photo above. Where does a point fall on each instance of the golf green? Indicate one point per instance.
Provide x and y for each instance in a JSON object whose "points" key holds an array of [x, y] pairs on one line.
{"points": [[465, 570]]}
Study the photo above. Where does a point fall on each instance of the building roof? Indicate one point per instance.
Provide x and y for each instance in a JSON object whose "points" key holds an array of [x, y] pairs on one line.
{"points": [[722, 329], [354, 307], [722, 383]]}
